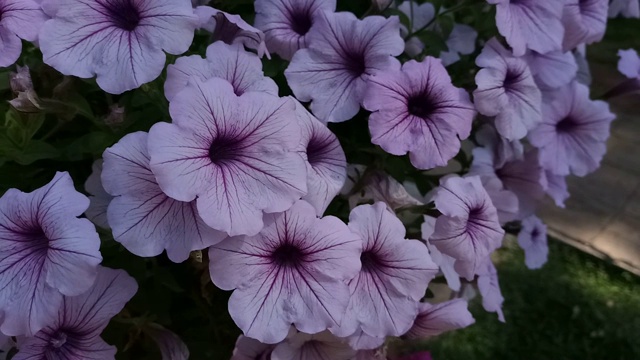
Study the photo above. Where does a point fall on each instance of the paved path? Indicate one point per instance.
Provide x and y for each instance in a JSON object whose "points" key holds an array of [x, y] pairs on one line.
{"points": [[602, 216]]}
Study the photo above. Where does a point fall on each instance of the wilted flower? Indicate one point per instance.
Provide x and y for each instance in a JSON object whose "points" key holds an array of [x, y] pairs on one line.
{"points": [[46, 253], [115, 116], [343, 52], [585, 22], [143, 219], [553, 69], [434, 320], [419, 111], [120, 41], [629, 64], [21, 81], [286, 23], [21, 19], [320, 346], [99, 198], [626, 8], [251, 349], [293, 272], [235, 154], [490, 288], [75, 331], [379, 186], [533, 240]]}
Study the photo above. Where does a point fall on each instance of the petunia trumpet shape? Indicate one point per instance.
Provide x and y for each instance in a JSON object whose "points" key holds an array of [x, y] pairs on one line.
{"points": [[19, 19], [533, 240], [419, 111], [75, 332], [295, 271], [46, 253], [143, 219], [585, 22], [436, 319], [122, 42], [235, 154]]}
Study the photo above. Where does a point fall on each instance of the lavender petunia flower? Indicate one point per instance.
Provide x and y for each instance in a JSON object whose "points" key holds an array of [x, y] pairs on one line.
{"points": [[243, 70], [170, 345], [419, 111], [585, 22], [533, 240], [557, 188], [99, 199], [325, 159], [552, 70], [530, 24], [503, 150], [119, 41], [45, 252], [231, 29], [434, 320], [629, 64], [343, 52], [143, 219], [19, 19], [572, 138], [293, 272], [461, 41], [251, 349], [419, 15], [468, 229], [361, 341], [445, 262], [394, 276], [507, 90], [320, 346], [506, 202], [75, 331], [490, 288], [236, 155], [626, 8], [286, 23], [379, 186]]}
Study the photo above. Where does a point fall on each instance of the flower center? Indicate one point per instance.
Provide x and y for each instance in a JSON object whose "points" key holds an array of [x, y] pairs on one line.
{"points": [[565, 125], [301, 21], [355, 62], [58, 339], [287, 255], [124, 14], [420, 106], [315, 151], [370, 261], [512, 77], [223, 150]]}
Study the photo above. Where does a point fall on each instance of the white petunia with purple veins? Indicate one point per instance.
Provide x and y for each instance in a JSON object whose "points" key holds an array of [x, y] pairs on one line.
{"points": [[585, 22], [46, 252], [436, 319], [533, 240], [19, 19]]}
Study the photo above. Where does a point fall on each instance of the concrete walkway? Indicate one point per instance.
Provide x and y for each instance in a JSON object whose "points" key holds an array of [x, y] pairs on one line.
{"points": [[602, 216]]}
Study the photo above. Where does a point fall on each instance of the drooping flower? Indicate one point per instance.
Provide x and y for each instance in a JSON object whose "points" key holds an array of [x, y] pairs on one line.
{"points": [[553, 69], [99, 198], [419, 111], [434, 320], [231, 29], [507, 90], [379, 186], [143, 219], [19, 19], [286, 23], [629, 64], [394, 276], [533, 240], [170, 345], [75, 331], [325, 159], [21, 80], [557, 188], [445, 262], [572, 137], [585, 22], [119, 41], [251, 349], [468, 229], [489, 288], [503, 150], [530, 24], [46, 252], [235, 154], [320, 346], [293, 272], [626, 8], [343, 52]]}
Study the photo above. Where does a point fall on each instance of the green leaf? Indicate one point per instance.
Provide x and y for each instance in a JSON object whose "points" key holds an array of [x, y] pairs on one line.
{"points": [[92, 144], [34, 151], [434, 43], [21, 127], [404, 19]]}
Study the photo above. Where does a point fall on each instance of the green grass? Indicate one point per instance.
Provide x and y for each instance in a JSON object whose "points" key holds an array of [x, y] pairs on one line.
{"points": [[575, 307]]}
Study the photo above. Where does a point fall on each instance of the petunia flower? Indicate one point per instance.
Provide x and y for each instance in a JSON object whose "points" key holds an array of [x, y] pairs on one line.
{"points": [[507, 90], [629, 63], [295, 271], [557, 188], [20, 19], [325, 159], [468, 229], [343, 52], [231, 29], [379, 186], [251, 349], [75, 331], [394, 276], [489, 288], [286, 23], [99, 198], [553, 69], [626, 8], [170, 345], [445, 262], [501, 148], [530, 24], [46, 253], [235, 154], [419, 111], [572, 137], [243, 70], [585, 22], [433, 320], [532, 238], [461, 41], [143, 219], [122, 42], [362, 341], [320, 346]]}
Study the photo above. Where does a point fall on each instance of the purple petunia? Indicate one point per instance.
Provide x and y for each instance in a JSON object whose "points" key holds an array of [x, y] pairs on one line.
{"points": [[503, 150], [585, 22], [419, 111], [507, 90], [434, 320], [293, 272], [325, 159], [235, 154], [170, 345], [489, 288], [243, 70], [626, 8], [119, 41], [320, 346], [533, 240], [19, 19], [343, 52], [75, 331], [46, 253], [99, 199], [286, 23], [445, 262], [468, 229], [629, 64], [143, 219], [530, 24], [557, 188], [572, 137], [394, 276], [251, 349], [552, 70]]}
